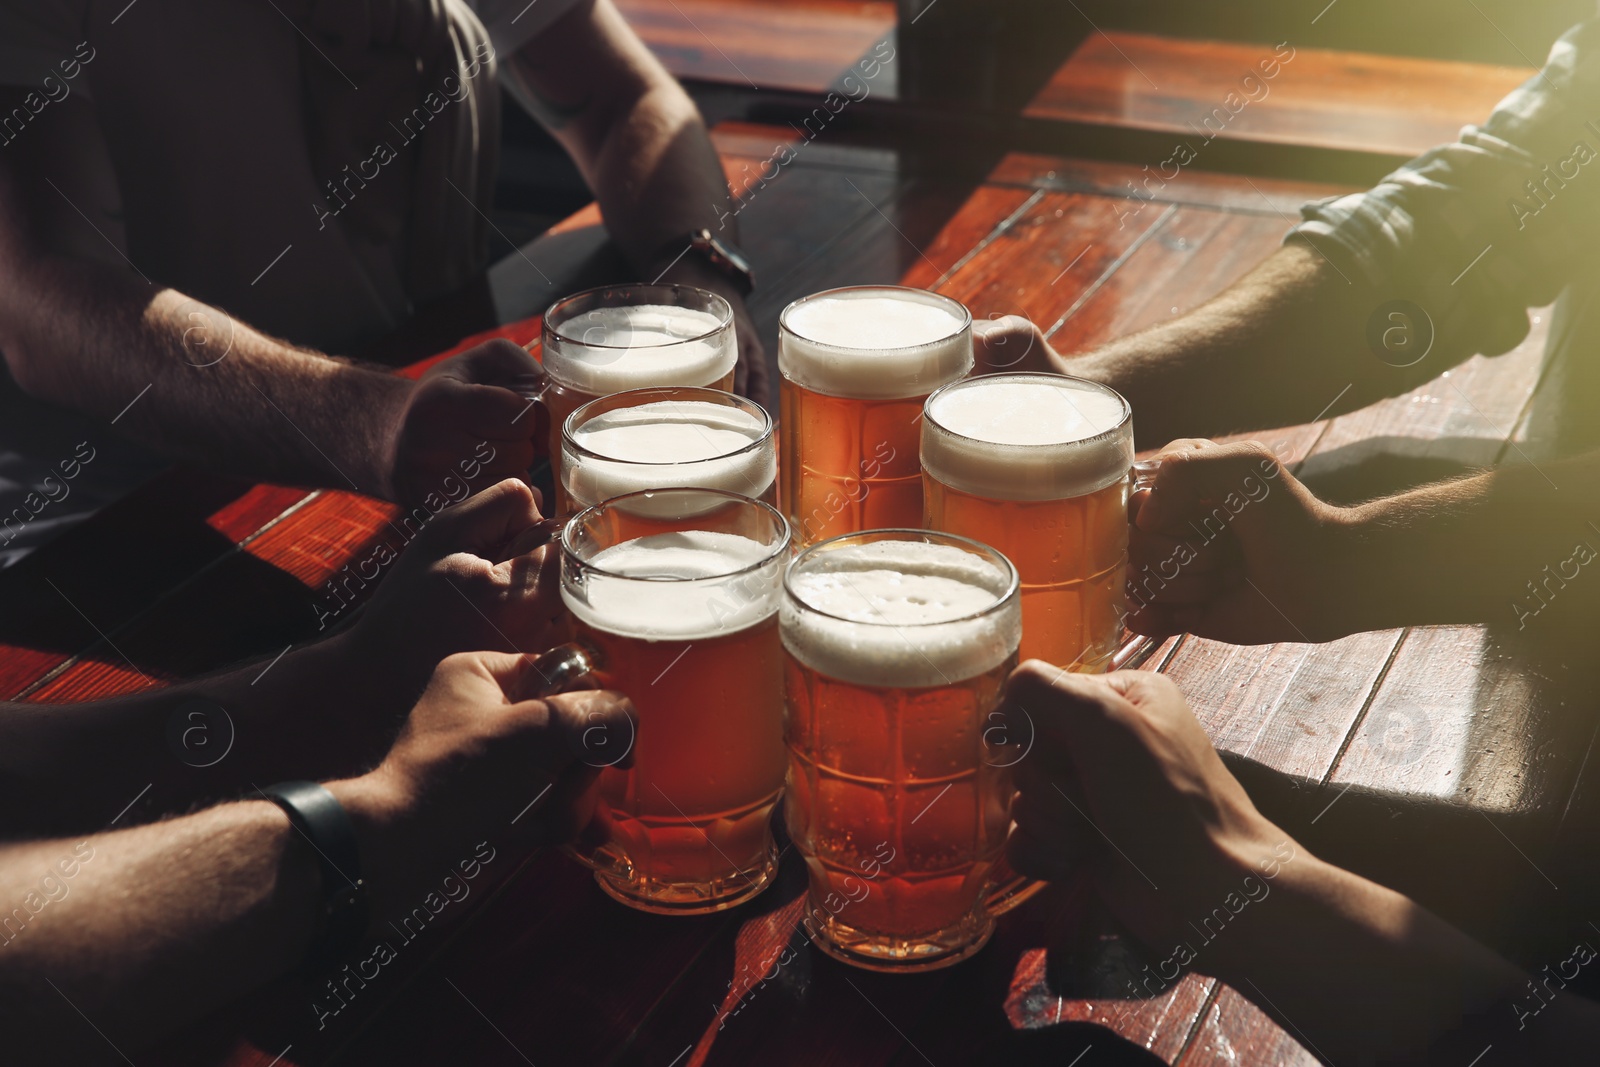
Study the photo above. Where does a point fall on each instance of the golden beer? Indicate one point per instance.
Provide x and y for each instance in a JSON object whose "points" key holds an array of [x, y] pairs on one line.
{"points": [[607, 340], [1037, 466], [897, 644], [856, 366], [667, 438], [684, 622]]}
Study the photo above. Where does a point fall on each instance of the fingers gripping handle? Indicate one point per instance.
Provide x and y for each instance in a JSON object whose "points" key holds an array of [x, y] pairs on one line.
{"points": [[1144, 473], [559, 669]]}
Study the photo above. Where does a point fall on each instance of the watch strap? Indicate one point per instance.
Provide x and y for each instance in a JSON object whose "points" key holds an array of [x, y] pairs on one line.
{"points": [[722, 256], [319, 818]]}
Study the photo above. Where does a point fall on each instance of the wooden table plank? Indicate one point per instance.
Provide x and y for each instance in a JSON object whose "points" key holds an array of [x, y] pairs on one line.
{"points": [[102, 574], [774, 1025], [1197, 90], [1191, 255], [1290, 705], [1040, 263], [1196, 188], [1235, 1031], [806, 47]]}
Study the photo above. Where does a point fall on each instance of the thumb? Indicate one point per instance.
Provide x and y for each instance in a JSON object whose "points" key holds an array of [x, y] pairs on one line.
{"points": [[485, 523], [594, 728], [1090, 728], [1197, 478], [1009, 343], [1067, 714]]}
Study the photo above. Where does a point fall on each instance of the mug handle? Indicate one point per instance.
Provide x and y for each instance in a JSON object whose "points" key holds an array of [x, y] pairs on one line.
{"points": [[558, 670], [1144, 473], [532, 388], [562, 666]]}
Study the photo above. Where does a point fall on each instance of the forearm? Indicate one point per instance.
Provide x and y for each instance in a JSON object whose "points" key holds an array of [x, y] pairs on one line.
{"points": [[631, 129], [1504, 547], [190, 381], [658, 178], [317, 712], [152, 928], [1364, 975], [1284, 345]]}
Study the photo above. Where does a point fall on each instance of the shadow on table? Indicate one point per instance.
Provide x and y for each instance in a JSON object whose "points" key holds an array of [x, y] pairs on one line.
{"points": [[1080, 1044], [139, 560]]}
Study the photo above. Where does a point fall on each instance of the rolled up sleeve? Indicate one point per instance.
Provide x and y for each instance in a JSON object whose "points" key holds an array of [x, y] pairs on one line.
{"points": [[1478, 231]]}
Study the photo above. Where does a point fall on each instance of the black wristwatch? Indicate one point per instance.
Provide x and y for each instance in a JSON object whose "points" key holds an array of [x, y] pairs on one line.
{"points": [[321, 820], [723, 257]]}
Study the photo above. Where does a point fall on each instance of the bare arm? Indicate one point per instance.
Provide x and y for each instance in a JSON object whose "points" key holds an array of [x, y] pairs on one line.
{"points": [[1358, 972], [634, 133], [193, 382], [642, 146], [1363, 974], [1283, 345], [324, 710], [93, 337], [1230, 545], [1508, 547], [101, 926], [110, 942], [469, 580]]}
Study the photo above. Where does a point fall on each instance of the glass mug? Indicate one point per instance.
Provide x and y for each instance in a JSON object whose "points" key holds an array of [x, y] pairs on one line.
{"points": [[856, 365], [667, 438], [896, 646], [673, 595], [1037, 465], [617, 337]]}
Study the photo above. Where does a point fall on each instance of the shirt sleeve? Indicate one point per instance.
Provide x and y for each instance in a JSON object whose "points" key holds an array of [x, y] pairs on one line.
{"points": [[513, 23], [1478, 231]]}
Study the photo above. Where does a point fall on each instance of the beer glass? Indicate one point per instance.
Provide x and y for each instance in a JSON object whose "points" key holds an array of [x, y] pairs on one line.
{"points": [[896, 645], [678, 611], [665, 438], [1037, 466], [857, 365], [603, 341]]}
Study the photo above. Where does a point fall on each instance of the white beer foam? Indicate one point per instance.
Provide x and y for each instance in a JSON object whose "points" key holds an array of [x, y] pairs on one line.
{"points": [[1027, 437], [688, 586], [874, 343], [649, 344], [670, 444], [898, 614]]}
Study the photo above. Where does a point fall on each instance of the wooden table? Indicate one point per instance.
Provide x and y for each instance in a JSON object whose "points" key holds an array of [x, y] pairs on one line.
{"points": [[196, 571]]}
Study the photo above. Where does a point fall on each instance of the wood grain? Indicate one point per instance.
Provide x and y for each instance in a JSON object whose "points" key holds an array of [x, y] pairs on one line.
{"points": [[1234, 1031], [552, 971], [803, 47], [1194, 187], [1196, 90]]}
